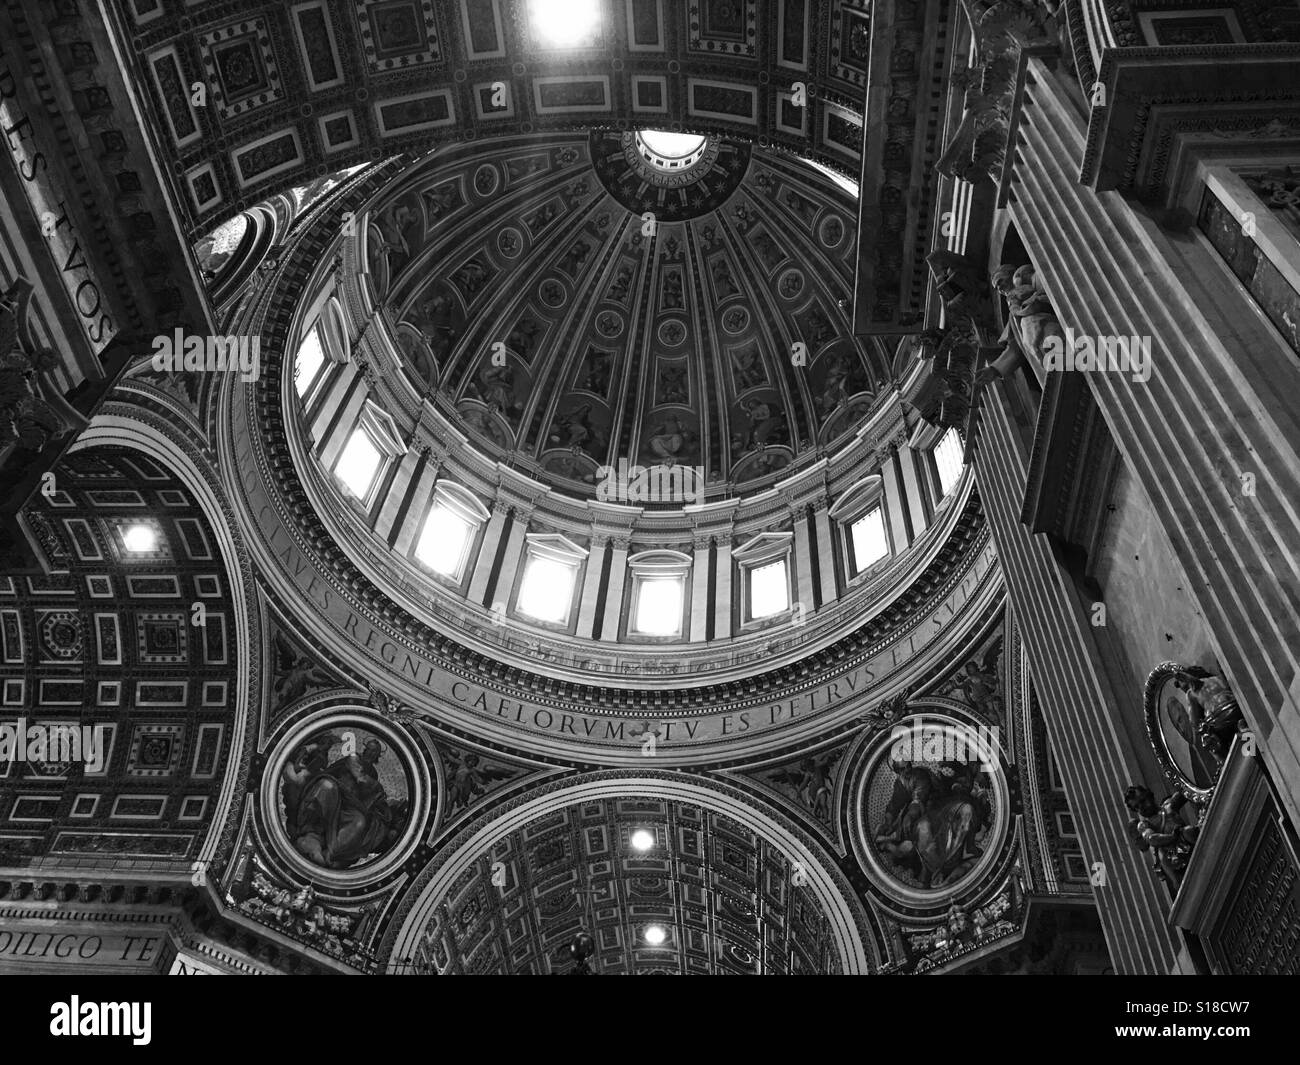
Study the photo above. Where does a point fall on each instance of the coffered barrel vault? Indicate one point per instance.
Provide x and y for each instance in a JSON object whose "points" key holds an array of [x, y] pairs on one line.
{"points": [[248, 101]]}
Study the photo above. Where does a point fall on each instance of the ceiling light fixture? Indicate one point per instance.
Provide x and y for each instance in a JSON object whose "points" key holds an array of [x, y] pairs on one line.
{"points": [[564, 22], [655, 934], [643, 839], [139, 539]]}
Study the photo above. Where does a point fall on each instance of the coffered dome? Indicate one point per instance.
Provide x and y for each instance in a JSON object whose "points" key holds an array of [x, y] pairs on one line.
{"points": [[582, 301]]}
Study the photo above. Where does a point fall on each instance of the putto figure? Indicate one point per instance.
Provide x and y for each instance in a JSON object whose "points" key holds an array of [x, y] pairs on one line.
{"points": [[1158, 828]]}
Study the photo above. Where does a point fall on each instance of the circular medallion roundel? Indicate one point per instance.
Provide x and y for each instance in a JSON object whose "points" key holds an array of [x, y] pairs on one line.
{"points": [[609, 324], [510, 242], [343, 798], [672, 332], [831, 231], [930, 808]]}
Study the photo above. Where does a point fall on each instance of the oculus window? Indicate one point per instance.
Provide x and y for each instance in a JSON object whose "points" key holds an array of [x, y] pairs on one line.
{"points": [[549, 580], [657, 598], [671, 152], [450, 529], [948, 460]]}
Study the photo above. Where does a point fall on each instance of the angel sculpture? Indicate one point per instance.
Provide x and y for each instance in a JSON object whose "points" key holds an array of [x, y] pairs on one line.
{"points": [[467, 779], [978, 683], [888, 710], [295, 674], [810, 783], [1157, 827], [31, 413]]}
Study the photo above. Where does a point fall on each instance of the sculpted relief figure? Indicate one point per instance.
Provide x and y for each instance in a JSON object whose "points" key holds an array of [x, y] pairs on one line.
{"points": [[1158, 828], [32, 410], [1029, 315], [338, 813], [1214, 712]]}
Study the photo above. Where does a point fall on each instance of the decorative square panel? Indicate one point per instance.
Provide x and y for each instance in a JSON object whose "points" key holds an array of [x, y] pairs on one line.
{"points": [[161, 638], [206, 752], [266, 157], [398, 33], [156, 586], [193, 808], [174, 94], [215, 651], [645, 25], [14, 689], [725, 100], [790, 118], [108, 640], [110, 693], [155, 750], [792, 28], [84, 806], [170, 497], [139, 807], [11, 636], [850, 45], [1191, 26], [151, 693], [317, 45], [483, 34], [554, 95], [99, 586], [207, 585], [338, 130], [649, 94], [240, 67], [842, 130], [61, 692], [204, 190], [59, 636], [193, 539], [723, 27], [410, 114], [82, 536], [494, 99]]}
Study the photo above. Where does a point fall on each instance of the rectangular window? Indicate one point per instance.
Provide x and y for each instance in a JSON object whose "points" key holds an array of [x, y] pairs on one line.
{"points": [[948, 460], [358, 466], [870, 543], [769, 589], [546, 591], [659, 606], [307, 366], [445, 541]]}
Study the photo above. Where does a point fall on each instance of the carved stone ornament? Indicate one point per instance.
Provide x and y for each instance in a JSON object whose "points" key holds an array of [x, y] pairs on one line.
{"points": [[1161, 829], [1191, 719]]}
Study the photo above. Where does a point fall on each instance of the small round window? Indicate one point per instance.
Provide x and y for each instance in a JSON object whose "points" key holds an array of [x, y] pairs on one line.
{"points": [[670, 151]]}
